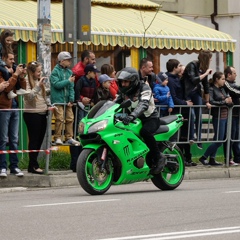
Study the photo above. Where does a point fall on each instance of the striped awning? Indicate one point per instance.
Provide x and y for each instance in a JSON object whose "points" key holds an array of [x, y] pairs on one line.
{"points": [[119, 24]]}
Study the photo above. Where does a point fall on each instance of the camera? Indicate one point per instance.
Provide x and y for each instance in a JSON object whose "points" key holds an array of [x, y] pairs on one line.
{"points": [[22, 65], [45, 80]]}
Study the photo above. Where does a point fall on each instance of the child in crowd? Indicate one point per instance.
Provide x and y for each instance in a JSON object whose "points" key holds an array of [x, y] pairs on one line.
{"points": [[162, 94], [103, 91], [85, 90], [110, 71], [62, 95], [6, 40]]}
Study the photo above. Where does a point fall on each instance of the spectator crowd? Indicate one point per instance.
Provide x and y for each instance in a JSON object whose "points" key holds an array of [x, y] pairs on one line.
{"points": [[86, 85]]}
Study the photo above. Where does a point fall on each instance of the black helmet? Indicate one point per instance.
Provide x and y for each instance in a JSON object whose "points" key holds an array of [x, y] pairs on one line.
{"points": [[128, 74]]}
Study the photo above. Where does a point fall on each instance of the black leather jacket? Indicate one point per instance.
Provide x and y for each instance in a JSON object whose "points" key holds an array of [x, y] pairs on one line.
{"points": [[143, 106], [234, 91], [217, 98], [191, 80], [152, 78]]}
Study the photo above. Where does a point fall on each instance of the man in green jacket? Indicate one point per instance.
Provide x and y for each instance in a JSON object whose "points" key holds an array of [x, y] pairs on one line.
{"points": [[62, 96]]}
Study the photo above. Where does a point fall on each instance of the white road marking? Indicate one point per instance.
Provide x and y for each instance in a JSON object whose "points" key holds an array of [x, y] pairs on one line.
{"points": [[232, 192], [181, 235], [68, 203]]}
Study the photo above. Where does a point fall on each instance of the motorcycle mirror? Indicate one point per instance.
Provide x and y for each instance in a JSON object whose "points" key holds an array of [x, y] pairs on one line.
{"points": [[125, 104]]}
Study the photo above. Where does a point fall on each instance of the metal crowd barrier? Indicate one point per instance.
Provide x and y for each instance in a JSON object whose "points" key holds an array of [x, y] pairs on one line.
{"points": [[207, 131]]}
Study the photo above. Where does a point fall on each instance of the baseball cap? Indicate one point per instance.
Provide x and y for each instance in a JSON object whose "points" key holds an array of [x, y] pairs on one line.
{"points": [[91, 68], [104, 78], [163, 76], [64, 56]]}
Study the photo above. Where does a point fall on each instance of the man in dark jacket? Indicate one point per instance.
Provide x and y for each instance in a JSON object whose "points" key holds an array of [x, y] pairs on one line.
{"points": [[176, 90], [234, 91], [143, 107], [146, 72]]}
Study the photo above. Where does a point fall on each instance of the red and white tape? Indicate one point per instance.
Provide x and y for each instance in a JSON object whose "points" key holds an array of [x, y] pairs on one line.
{"points": [[47, 151]]}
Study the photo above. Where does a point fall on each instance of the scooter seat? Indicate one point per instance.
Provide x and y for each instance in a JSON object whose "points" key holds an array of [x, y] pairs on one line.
{"points": [[168, 119]]}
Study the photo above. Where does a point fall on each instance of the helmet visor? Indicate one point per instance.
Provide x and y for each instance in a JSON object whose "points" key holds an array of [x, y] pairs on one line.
{"points": [[124, 75]]}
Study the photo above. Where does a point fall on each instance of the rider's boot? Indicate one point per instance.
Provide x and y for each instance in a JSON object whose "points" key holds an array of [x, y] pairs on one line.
{"points": [[160, 163]]}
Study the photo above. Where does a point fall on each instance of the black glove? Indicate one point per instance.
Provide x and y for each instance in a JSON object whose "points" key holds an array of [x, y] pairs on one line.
{"points": [[126, 120]]}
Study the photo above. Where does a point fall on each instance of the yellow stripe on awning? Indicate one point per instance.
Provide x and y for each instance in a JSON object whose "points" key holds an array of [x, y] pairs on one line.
{"points": [[119, 26]]}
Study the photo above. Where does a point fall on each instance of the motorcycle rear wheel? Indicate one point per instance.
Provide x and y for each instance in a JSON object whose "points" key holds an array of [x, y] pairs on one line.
{"points": [[170, 179], [89, 174]]}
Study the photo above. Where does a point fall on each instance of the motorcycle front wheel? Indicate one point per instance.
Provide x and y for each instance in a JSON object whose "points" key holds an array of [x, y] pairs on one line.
{"points": [[171, 177], [92, 178]]}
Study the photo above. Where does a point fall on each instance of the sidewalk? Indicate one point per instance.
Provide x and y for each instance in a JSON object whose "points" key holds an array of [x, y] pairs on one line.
{"points": [[68, 178]]}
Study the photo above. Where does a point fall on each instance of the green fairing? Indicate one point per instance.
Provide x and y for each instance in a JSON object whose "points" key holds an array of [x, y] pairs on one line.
{"points": [[124, 147]]}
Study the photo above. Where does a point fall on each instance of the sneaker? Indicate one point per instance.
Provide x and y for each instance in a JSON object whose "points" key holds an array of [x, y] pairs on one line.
{"points": [[203, 161], [199, 145], [190, 164], [11, 95], [22, 91], [59, 141], [3, 172], [232, 163], [72, 141], [17, 172], [213, 162]]}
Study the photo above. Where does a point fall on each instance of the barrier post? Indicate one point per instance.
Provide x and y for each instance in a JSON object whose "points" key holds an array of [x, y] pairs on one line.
{"points": [[48, 139]]}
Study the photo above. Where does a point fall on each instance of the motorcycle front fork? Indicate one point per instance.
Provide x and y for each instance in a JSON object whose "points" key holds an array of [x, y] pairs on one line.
{"points": [[102, 158]]}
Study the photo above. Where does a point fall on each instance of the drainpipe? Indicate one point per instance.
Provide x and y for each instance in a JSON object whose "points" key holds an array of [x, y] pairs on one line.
{"points": [[213, 15]]}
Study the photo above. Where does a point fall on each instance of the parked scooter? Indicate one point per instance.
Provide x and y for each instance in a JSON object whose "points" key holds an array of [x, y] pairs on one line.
{"points": [[114, 153]]}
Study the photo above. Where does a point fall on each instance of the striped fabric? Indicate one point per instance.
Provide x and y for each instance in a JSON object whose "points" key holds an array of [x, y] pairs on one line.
{"points": [[120, 25]]}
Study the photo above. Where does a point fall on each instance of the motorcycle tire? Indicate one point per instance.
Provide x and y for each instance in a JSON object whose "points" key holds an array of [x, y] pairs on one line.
{"points": [[89, 174], [169, 179]]}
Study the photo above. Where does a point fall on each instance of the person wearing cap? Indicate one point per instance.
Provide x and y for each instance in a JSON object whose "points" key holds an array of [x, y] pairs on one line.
{"points": [[162, 94], [110, 71], [62, 95], [103, 91], [85, 90]]}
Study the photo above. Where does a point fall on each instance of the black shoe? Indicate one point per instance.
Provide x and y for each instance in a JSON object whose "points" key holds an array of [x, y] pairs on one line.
{"points": [[203, 161], [159, 166], [212, 162]]}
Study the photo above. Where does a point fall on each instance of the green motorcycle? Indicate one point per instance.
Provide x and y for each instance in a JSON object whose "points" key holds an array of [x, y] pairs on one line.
{"points": [[114, 153]]}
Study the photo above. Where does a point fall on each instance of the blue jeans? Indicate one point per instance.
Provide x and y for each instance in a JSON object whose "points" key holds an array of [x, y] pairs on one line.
{"points": [[9, 133], [219, 134], [197, 100], [235, 146]]}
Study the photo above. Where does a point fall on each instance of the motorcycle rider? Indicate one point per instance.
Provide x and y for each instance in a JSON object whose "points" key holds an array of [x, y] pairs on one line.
{"points": [[143, 107]]}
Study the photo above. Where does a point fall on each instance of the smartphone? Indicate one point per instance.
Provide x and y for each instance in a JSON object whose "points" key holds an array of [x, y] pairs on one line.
{"points": [[73, 75]]}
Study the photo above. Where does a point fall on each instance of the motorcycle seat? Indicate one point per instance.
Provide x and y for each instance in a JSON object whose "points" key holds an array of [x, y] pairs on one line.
{"points": [[162, 129], [168, 119]]}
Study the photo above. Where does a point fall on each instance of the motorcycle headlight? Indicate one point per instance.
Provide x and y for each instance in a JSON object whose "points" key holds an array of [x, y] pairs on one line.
{"points": [[99, 126], [81, 128]]}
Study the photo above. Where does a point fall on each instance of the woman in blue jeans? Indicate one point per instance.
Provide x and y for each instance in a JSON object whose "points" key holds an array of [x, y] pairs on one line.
{"points": [[220, 98], [195, 76]]}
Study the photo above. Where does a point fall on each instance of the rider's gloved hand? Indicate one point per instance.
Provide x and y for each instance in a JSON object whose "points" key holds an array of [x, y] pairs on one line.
{"points": [[126, 120]]}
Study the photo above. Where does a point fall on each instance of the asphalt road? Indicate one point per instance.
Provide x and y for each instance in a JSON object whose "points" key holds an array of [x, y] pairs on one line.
{"points": [[199, 209]]}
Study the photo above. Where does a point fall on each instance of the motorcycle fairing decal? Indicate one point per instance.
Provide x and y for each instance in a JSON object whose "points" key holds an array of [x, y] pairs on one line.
{"points": [[126, 150]]}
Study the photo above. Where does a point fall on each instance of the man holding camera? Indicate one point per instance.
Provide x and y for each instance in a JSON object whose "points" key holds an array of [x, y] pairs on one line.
{"points": [[10, 118]]}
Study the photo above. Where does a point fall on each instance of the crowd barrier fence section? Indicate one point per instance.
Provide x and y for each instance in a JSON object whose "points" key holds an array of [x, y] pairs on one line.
{"points": [[206, 131]]}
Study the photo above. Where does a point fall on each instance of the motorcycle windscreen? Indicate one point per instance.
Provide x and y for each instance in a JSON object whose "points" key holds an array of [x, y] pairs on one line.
{"points": [[100, 108]]}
